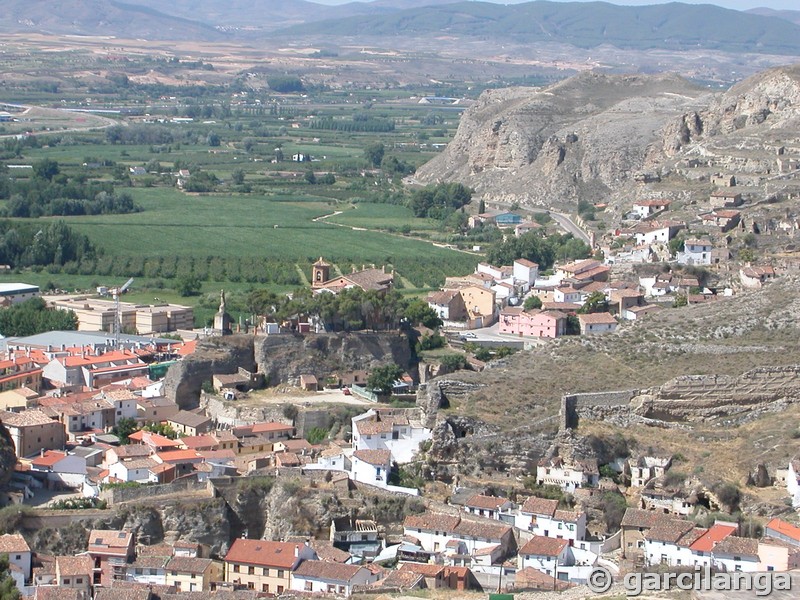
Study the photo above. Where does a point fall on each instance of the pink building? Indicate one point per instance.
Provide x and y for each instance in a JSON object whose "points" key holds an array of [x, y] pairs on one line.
{"points": [[533, 323]]}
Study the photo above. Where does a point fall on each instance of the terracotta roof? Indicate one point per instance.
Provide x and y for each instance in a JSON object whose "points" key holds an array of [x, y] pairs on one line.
{"points": [[162, 549], [374, 457], [271, 426], [432, 522], [540, 545], [131, 451], [189, 419], [49, 458], [109, 541], [123, 593], [486, 502], [646, 519], [652, 203], [187, 564], [319, 569], [48, 592], [177, 456], [783, 528], [195, 442], [263, 553], [26, 418], [540, 506], [328, 552], [568, 516], [525, 262], [603, 318], [670, 530], [404, 580], [426, 570], [737, 546], [149, 562], [442, 297], [489, 531], [715, 534], [533, 578], [13, 542]]}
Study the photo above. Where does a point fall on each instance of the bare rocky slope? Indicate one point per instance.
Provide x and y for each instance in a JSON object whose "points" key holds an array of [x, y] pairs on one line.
{"points": [[718, 382], [593, 136]]}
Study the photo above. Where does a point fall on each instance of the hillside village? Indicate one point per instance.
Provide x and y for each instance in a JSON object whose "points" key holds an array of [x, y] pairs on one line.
{"points": [[89, 421]]}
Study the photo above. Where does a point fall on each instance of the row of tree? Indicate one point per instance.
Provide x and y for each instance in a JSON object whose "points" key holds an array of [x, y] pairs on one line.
{"points": [[537, 248], [33, 316], [25, 244]]}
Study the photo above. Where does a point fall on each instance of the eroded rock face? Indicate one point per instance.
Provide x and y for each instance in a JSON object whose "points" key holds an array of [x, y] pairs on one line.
{"points": [[586, 135], [436, 394], [217, 355], [283, 358]]}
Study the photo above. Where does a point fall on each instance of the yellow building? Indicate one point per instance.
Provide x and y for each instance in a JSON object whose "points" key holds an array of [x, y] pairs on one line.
{"points": [[190, 574], [480, 304], [264, 566], [97, 314], [33, 431]]}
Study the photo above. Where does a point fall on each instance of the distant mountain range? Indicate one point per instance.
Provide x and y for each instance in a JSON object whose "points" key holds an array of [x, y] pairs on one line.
{"points": [[671, 26]]}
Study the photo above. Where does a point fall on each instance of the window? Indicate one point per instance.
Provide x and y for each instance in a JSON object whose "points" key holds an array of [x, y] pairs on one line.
{"points": [[280, 573], [235, 569], [251, 585], [265, 587], [280, 589], [265, 572], [331, 588], [341, 589], [251, 570], [79, 580], [17, 557], [66, 581], [307, 586], [138, 571]]}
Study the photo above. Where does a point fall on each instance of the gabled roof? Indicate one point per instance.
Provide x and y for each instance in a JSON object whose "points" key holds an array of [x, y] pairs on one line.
{"points": [[49, 459], [329, 571], [187, 564], [540, 506], [13, 542], [263, 553], [603, 318], [715, 534], [189, 419], [540, 545], [784, 528], [378, 458], [110, 541], [69, 566], [432, 521], [737, 546], [486, 502], [646, 519]]}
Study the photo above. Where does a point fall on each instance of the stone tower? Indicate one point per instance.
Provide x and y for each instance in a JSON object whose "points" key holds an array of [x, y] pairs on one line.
{"points": [[320, 272], [222, 320]]}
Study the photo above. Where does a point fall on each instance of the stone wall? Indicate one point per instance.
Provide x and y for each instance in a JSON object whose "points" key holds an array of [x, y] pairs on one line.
{"points": [[186, 486], [593, 406]]}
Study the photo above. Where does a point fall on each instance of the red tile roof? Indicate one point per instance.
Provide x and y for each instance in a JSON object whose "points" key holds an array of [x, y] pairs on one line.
{"points": [[784, 528], [715, 534], [540, 545], [329, 571], [486, 502], [49, 458], [263, 553], [374, 457], [540, 506]]}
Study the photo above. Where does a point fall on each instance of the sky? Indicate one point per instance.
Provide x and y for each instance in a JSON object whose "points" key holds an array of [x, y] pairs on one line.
{"points": [[734, 4]]}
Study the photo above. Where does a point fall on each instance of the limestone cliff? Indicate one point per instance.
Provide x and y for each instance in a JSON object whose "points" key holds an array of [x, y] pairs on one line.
{"points": [[283, 358], [583, 137]]}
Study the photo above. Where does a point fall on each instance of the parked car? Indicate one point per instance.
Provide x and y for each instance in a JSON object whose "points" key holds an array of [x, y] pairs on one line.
{"points": [[346, 391]]}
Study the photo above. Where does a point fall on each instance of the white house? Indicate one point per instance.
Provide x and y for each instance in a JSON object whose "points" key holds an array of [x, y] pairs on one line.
{"points": [[138, 469], [546, 555], [320, 577], [567, 293], [435, 531], [150, 570], [597, 323], [372, 467], [656, 232], [389, 430], [647, 208], [567, 476], [542, 517], [19, 557], [61, 467], [525, 273], [487, 506], [17, 292], [695, 252], [736, 553], [677, 542]]}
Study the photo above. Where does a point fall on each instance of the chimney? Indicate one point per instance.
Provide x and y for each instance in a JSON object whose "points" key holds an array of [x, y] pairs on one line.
{"points": [[296, 550], [41, 452]]}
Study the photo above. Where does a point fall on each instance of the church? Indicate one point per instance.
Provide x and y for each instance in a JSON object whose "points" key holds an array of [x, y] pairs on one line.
{"points": [[371, 279]]}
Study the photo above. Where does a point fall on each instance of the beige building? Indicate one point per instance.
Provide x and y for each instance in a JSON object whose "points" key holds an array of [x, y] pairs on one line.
{"points": [[74, 572], [33, 431], [96, 314], [480, 304], [264, 566], [190, 574]]}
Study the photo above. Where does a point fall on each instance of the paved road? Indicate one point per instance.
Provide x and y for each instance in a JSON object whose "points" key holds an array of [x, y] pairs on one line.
{"points": [[564, 221]]}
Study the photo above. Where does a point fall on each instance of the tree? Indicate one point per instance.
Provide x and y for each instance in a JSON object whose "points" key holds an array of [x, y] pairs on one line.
{"points": [[374, 153], [45, 169], [237, 176], [310, 177], [212, 139], [381, 379], [481, 206], [8, 589], [189, 285], [418, 312], [595, 303], [33, 316], [124, 427], [532, 302]]}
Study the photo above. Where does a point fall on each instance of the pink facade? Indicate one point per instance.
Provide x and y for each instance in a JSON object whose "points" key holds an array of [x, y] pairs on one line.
{"points": [[534, 323]]}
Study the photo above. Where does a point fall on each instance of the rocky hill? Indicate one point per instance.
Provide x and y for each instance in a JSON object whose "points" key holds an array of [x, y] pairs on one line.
{"points": [[716, 382], [596, 137]]}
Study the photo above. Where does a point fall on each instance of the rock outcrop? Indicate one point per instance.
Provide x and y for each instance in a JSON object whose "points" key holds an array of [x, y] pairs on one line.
{"points": [[216, 355], [586, 136], [283, 358]]}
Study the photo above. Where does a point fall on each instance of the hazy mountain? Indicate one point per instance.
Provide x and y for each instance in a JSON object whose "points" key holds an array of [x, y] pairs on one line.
{"points": [[99, 17], [792, 16], [671, 26]]}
